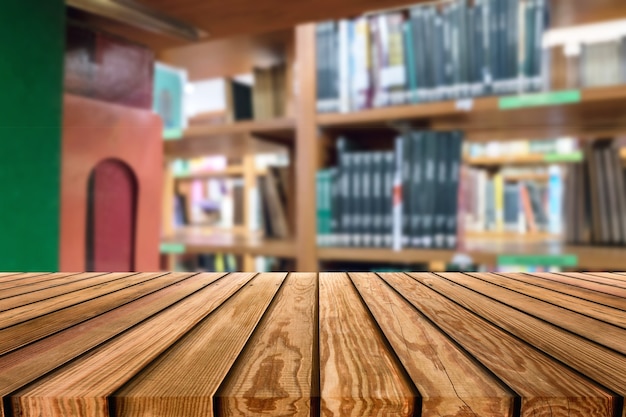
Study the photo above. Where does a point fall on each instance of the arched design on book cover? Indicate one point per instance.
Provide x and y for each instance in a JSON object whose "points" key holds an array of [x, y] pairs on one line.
{"points": [[111, 217]]}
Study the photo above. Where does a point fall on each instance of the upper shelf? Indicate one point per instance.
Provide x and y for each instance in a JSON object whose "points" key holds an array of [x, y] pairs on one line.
{"points": [[588, 112], [227, 18], [234, 139]]}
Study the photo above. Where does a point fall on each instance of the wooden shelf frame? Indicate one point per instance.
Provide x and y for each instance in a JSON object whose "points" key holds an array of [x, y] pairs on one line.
{"points": [[234, 139]]}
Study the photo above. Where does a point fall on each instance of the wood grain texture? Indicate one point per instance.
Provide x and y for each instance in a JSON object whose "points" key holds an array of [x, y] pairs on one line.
{"points": [[599, 331], [274, 375], [358, 375], [82, 387], [450, 382], [575, 280], [596, 362], [86, 283], [546, 387], [28, 331], [25, 365], [598, 311], [56, 302], [171, 344], [197, 364], [45, 281], [581, 293]]}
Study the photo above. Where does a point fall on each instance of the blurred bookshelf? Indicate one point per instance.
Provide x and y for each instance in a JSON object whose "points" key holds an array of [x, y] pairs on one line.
{"points": [[536, 94]]}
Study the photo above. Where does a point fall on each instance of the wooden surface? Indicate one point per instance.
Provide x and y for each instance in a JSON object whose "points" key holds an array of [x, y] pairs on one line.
{"points": [[599, 112], [307, 344]]}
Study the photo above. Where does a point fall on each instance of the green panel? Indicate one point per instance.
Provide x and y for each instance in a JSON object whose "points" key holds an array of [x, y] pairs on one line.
{"points": [[538, 260], [172, 248], [564, 157], [32, 39], [539, 99]]}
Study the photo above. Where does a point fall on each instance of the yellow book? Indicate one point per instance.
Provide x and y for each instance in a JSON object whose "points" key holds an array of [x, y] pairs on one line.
{"points": [[498, 185]]}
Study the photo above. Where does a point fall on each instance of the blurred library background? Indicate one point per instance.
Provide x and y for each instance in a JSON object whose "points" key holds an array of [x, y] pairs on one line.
{"points": [[471, 135]]}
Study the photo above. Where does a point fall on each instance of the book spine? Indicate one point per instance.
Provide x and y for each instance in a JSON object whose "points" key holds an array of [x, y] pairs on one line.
{"points": [[366, 205], [417, 191], [388, 203], [346, 203], [498, 190], [357, 196], [428, 199], [442, 148], [397, 194], [344, 64], [445, 64], [319, 207], [407, 142], [478, 49], [432, 43], [377, 199], [464, 48], [455, 147], [487, 68], [382, 95], [360, 79], [335, 206], [541, 13], [409, 60]]}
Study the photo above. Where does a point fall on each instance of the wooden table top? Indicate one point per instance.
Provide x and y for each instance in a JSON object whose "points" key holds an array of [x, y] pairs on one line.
{"points": [[305, 344]]}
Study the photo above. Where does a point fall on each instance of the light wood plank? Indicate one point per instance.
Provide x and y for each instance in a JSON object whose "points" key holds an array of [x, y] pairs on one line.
{"points": [[275, 373], [600, 312], [358, 375], [112, 282], [197, 364], [598, 331], [575, 280], [44, 284], [78, 283], [607, 278], [28, 331], [82, 387], [595, 361], [546, 387], [30, 278], [450, 382], [24, 365], [580, 293]]}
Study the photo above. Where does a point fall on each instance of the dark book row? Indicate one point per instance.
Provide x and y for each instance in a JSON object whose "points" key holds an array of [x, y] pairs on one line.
{"points": [[431, 52], [407, 197], [595, 197]]}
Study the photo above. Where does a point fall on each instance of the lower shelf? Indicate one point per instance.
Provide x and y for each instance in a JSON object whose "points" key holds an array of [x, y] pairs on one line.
{"points": [[491, 252], [228, 243]]}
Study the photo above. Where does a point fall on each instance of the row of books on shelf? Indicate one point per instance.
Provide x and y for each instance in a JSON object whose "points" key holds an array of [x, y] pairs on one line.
{"points": [[401, 198], [223, 262], [512, 149], [220, 202], [501, 202], [431, 52], [595, 197]]}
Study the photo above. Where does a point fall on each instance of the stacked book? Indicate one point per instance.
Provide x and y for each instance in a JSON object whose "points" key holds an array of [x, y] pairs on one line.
{"points": [[407, 197], [595, 197], [429, 53]]}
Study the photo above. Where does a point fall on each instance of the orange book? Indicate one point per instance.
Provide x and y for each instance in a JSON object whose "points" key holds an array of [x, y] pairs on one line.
{"points": [[528, 209]]}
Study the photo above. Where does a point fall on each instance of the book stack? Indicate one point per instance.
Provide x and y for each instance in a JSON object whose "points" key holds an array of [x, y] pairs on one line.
{"points": [[407, 197], [273, 189], [503, 203], [430, 53], [595, 197]]}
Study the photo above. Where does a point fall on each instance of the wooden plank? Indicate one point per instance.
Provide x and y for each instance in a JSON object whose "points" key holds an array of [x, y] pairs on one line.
{"points": [[29, 278], [606, 278], [198, 363], [79, 282], [601, 332], [39, 308], [573, 279], [25, 365], [45, 284], [613, 275], [582, 293], [450, 382], [28, 331], [598, 311], [600, 364], [358, 374], [82, 386], [276, 374], [545, 386]]}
